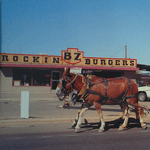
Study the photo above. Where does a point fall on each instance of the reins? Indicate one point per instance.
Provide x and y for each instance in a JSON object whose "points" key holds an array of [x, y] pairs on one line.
{"points": [[71, 83]]}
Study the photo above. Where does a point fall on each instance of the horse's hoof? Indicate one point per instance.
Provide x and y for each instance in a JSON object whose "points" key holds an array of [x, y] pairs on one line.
{"points": [[73, 126], [144, 127], [77, 130], [85, 121], [121, 128], [101, 130]]}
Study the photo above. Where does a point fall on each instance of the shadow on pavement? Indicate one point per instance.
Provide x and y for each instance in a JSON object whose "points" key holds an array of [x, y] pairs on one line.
{"points": [[132, 123]]}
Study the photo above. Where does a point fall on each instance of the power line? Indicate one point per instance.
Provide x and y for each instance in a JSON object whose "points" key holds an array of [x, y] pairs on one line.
{"points": [[136, 54], [119, 51]]}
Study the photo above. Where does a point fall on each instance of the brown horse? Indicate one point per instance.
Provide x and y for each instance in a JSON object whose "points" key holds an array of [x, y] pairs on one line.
{"points": [[119, 91]]}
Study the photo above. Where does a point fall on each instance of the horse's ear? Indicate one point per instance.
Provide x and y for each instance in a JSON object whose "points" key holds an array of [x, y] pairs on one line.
{"points": [[67, 71]]}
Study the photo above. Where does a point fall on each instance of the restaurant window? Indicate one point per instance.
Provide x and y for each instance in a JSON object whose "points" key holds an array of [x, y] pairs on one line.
{"points": [[31, 77], [21, 77], [41, 77]]}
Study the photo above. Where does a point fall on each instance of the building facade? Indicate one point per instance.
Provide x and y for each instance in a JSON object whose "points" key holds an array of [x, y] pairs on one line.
{"points": [[41, 73]]}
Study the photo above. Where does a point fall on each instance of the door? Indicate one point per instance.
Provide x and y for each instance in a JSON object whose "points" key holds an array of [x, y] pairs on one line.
{"points": [[55, 79]]}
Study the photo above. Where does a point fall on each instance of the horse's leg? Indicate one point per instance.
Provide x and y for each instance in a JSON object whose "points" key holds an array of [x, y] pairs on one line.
{"points": [[139, 115], [143, 125], [121, 118], [126, 117], [99, 111], [123, 111], [80, 115], [76, 119]]}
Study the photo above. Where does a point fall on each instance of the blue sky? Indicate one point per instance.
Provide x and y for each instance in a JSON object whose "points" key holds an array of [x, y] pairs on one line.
{"points": [[100, 28]]}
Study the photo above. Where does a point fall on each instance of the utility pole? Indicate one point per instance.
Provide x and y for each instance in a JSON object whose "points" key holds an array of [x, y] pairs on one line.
{"points": [[1, 26], [125, 51]]}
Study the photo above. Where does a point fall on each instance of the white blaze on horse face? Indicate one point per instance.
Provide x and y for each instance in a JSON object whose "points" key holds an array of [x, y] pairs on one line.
{"points": [[60, 94]]}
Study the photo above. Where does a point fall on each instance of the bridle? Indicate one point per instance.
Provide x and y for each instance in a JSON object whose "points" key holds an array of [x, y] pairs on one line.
{"points": [[63, 86]]}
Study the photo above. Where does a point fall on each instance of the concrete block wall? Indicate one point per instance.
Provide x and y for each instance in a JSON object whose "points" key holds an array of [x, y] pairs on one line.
{"points": [[10, 92]]}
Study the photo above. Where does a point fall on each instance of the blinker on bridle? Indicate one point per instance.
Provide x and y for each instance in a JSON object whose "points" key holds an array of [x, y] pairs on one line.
{"points": [[63, 87]]}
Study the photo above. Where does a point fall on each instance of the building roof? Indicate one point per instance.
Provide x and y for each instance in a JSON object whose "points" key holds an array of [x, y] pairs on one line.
{"points": [[143, 67]]}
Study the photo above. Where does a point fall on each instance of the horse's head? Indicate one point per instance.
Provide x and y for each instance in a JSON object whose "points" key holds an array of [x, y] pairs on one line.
{"points": [[66, 84]]}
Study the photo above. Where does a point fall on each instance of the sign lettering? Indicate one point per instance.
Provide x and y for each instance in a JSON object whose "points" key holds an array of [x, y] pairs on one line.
{"points": [[45, 59], [35, 59], [15, 58], [132, 63], [95, 61], [67, 56], [25, 58], [117, 62], [125, 62], [87, 61], [55, 60], [77, 56], [110, 62], [103, 62], [71, 56], [5, 58]]}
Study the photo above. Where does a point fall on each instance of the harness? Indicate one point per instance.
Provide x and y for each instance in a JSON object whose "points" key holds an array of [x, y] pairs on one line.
{"points": [[66, 92], [103, 98]]}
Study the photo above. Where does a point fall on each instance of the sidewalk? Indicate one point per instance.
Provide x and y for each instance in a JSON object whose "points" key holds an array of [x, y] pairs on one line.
{"points": [[43, 111], [57, 115]]}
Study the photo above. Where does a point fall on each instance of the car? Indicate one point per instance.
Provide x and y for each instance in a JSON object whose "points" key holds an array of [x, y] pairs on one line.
{"points": [[143, 93]]}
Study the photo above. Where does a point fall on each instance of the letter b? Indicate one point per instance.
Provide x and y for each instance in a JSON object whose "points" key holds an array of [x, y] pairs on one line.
{"points": [[67, 55]]}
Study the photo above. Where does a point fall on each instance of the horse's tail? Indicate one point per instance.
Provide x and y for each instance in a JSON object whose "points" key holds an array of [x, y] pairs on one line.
{"points": [[141, 109], [146, 109]]}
